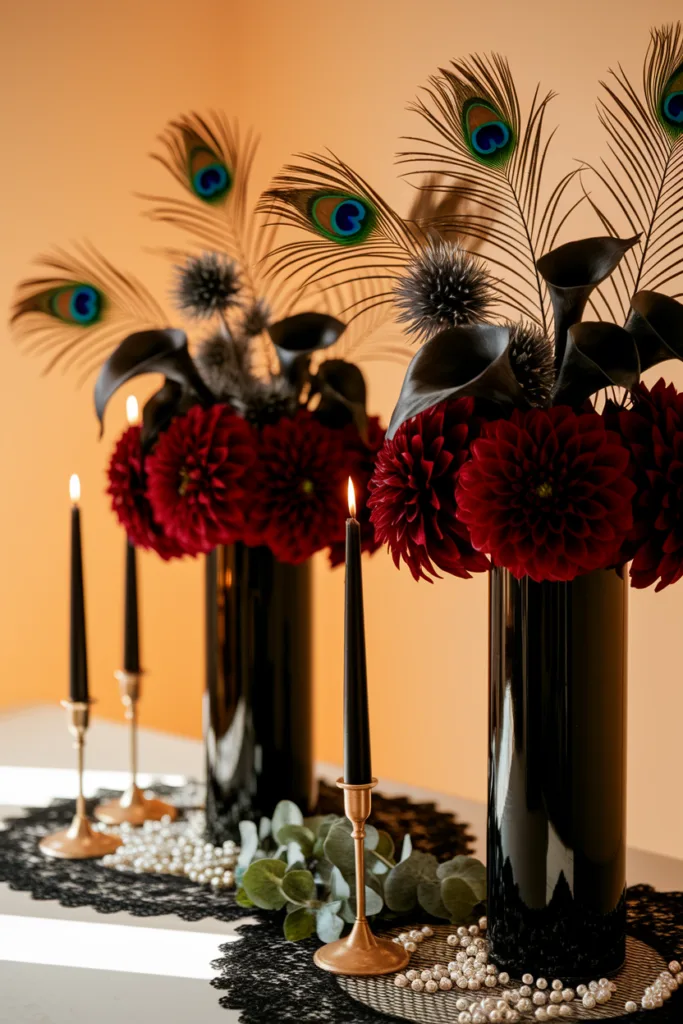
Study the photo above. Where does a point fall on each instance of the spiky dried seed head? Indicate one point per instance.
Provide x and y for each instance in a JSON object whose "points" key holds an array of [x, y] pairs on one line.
{"points": [[206, 285], [533, 363]]}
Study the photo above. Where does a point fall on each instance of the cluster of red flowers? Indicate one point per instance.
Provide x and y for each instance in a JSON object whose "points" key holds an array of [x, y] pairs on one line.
{"points": [[548, 493], [213, 479]]}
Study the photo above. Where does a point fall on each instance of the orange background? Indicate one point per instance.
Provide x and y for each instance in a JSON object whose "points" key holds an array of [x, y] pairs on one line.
{"points": [[85, 88]]}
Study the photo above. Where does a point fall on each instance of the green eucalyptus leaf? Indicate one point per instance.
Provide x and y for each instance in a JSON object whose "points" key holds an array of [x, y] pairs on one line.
{"points": [[297, 834], [471, 870], [339, 847], [328, 924], [300, 924], [248, 843], [429, 898], [242, 900], [262, 883], [373, 903], [400, 887], [385, 849], [295, 856], [299, 886], [286, 813], [339, 887], [407, 847], [459, 898], [263, 829]]}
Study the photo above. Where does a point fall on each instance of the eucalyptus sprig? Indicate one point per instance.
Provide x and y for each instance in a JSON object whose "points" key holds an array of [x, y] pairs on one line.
{"points": [[306, 867]]}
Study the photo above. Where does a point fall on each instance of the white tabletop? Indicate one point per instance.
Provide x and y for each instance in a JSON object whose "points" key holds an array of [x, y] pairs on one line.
{"points": [[74, 966]]}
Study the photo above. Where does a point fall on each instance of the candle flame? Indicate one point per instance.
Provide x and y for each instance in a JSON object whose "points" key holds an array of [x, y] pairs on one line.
{"points": [[352, 499], [74, 489], [132, 411]]}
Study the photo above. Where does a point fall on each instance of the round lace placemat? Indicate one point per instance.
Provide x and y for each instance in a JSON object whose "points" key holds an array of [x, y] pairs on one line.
{"points": [[87, 883], [271, 980], [642, 966]]}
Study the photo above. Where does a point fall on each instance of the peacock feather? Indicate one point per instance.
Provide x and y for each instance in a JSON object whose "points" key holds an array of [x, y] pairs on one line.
{"points": [[80, 309], [493, 160], [643, 179]]}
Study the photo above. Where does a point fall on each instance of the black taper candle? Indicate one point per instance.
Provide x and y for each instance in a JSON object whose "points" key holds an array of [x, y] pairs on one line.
{"points": [[357, 764], [78, 675], [131, 641]]}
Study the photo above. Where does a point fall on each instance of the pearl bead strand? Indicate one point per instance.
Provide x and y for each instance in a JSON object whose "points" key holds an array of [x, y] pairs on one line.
{"points": [[180, 849]]}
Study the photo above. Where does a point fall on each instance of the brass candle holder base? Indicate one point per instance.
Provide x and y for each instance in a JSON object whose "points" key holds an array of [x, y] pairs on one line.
{"points": [[360, 953], [80, 841], [133, 806]]}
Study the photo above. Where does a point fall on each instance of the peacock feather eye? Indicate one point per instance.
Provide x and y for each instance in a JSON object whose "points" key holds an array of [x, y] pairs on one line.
{"points": [[342, 218], [671, 104], [210, 179], [73, 304], [489, 137]]}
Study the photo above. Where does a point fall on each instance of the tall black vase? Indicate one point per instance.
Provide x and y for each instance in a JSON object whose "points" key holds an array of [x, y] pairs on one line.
{"points": [[257, 715], [557, 774]]}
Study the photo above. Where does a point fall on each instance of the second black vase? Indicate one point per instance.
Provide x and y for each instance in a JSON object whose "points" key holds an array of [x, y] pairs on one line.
{"points": [[258, 715], [557, 774]]}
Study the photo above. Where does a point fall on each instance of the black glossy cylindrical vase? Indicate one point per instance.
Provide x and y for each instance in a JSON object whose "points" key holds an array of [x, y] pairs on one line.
{"points": [[257, 715], [557, 775]]}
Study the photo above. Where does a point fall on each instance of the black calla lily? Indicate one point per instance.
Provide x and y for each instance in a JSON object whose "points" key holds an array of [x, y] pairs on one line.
{"points": [[297, 337], [162, 351], [596, 356], [459, 362], [343, 395], [656, 325], [572, 272]]}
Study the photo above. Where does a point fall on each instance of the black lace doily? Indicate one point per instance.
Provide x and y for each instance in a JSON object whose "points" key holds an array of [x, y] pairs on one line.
{"points": [[88, 884], [270, 979]]}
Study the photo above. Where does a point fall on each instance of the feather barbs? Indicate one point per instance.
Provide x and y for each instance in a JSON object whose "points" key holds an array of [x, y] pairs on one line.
{"points": [[80, 308]]}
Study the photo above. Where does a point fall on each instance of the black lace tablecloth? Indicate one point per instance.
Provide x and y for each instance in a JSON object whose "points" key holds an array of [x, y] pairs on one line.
{"points": [[87, 883], [271, 980]]}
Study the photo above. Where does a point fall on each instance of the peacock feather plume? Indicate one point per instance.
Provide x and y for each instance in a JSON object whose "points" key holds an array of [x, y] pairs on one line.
{"points": [[79, 309], [492, 159], [642, 181]]}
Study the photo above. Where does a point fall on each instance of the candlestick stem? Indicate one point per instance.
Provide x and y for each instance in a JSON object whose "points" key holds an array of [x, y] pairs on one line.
{"points": [[360, 953], [79, 841], [133, 806]]}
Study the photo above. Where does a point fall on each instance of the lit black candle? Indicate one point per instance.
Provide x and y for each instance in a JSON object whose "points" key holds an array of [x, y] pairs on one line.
{"points": [[131, 643], [357, 768], [78, 675]]}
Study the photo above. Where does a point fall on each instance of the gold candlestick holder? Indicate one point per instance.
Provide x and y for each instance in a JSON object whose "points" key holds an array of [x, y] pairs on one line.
{"points": [[79, 841], [133, 806], [360, 953]]}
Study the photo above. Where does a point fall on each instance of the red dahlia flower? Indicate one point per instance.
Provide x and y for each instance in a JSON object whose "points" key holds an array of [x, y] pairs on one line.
{"points": [[297, 488], [413, 492], [546, 495], [653, 432], [195, 477], [360, 465], [128, 499]]}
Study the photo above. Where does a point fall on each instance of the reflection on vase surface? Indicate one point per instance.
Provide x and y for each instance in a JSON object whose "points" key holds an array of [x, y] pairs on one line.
{"points": [[557, 774], [257, 712]]}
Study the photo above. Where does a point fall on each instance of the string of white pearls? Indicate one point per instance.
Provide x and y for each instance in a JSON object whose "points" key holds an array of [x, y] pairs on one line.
{"points": [[656, 995], [166, 848]]}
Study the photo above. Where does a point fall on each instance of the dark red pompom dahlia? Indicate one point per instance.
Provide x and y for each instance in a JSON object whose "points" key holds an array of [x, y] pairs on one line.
{"points": [[546, 493], [297, 488], [412, 499], [195, 477], [361, 458], [653, 432], [129, 501]]}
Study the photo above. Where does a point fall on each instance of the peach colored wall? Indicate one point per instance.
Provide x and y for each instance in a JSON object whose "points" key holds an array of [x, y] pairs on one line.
{"points": [[83, 89]]}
